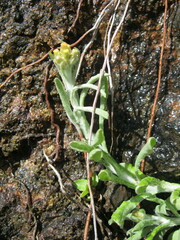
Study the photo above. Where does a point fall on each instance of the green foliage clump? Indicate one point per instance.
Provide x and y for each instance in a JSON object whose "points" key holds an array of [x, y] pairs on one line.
{"points": [[66, 61], [166, 213]]}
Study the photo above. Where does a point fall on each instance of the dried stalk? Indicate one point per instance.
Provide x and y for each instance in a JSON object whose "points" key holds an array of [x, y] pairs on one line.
{"points": [[95, 29], [56, 173], [93, 113]]}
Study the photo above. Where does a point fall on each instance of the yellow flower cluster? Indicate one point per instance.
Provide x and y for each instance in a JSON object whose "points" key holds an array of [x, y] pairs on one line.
{"points": [[65, 55]]}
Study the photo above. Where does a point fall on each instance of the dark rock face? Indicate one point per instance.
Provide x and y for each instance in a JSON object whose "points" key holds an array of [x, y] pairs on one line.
{"points": [[30, 200], [137, 73]]}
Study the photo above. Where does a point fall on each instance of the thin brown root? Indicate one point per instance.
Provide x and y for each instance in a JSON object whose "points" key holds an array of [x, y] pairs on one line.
{"points": [[52, 113], [20, 69], [87, 224], [77, 16], [153, 111]]}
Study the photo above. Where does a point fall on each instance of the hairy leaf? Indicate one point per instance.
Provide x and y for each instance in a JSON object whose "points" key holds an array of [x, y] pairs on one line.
{"points": [[95, 155], [80, 146], [98, 138], [145, 151], [120, 214], [65, 100], [175, 198], [154, 185], [175, 235], [156, 230], [81, 184], [98, 111]]}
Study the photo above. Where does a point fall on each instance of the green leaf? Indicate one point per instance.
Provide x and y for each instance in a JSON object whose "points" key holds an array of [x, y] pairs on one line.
{"points": [[65, 100], [156, 230], [145, 151], [154, 198], [98, 111], [172, 208], [137, 215], [175, 235], [159, 225], [95, 155], [175, 198], [80, 146], [124, 171], [131, 169], [85, 90], [140, 234], [98, 138], [88, 86], [161, 209], [81, 184], [141, 229], [120, 214], [154, 185], [84, 193], [95, 179], [106, 175]]}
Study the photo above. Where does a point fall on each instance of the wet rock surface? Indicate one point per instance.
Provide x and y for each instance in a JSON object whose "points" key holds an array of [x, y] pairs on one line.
{"points": [[136, 84], [30, 199]]}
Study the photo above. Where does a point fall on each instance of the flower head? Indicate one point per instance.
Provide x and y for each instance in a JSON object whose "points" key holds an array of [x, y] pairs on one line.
{"points": [[66, 61]]}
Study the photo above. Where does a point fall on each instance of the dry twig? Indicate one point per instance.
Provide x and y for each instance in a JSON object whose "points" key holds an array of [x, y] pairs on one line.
{"points": [[95, 30], [106, 45], [56, 172], [104, 66]]}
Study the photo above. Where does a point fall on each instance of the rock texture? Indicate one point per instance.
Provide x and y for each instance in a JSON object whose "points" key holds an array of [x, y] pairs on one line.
{"points": [[31, 203]]}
